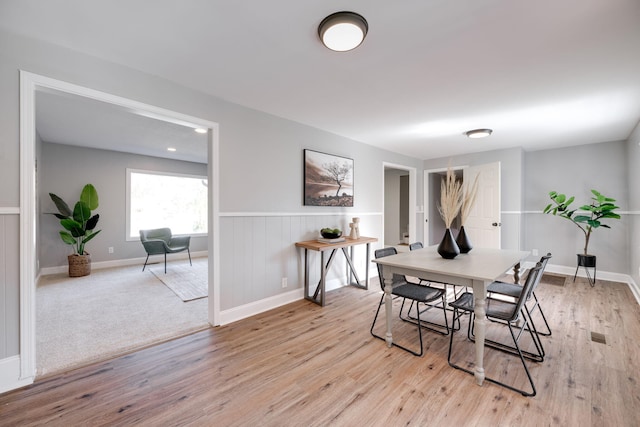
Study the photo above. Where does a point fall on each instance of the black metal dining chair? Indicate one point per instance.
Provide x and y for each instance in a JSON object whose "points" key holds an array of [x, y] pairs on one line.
{"points": [[513, 290], [416, 293], [509, 312]]}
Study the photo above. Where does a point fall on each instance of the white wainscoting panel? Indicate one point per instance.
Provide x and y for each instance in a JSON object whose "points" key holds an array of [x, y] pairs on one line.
{"points": [[257, 252]]}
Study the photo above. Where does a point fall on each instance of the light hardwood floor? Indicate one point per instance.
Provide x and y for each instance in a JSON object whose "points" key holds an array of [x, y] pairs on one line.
{"points": [[304, 365]]}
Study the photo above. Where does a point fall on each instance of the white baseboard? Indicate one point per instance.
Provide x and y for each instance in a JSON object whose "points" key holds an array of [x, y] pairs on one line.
{"points": [[635, 289], [256, 307], [153, 259], [10, 374]]}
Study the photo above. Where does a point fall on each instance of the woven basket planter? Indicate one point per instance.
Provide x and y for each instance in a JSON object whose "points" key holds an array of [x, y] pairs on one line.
{"points": [[79, 265]]}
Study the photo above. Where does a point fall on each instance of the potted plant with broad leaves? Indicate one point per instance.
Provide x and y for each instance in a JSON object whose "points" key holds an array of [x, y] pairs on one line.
{"points": [[79, 228], [587, 218]]}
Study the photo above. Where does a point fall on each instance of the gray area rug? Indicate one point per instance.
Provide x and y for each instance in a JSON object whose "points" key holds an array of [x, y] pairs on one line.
{"points": [[186, 281], [111, 312]]}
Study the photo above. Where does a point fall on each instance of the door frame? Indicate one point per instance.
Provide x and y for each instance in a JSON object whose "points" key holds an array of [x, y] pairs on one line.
{"points": [[30, 83], [412, 195]]}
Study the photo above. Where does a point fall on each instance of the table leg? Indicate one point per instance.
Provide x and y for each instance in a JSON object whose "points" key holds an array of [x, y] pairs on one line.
{"points": [[323, 275], [350, 278], [352, 270], [516, 273], [324, 269], [306, 273], [388, 301], [366, 269], [480, 323]]}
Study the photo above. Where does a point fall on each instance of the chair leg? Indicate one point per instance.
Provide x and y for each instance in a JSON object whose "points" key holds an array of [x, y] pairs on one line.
{"points": [[165, 263], [395, 344], [524, 365], [145, 262], [510, 387], [534, 357], [544, 318], [535, 336], [456, 316], [189, 252], [375, 318], [429, 306]]}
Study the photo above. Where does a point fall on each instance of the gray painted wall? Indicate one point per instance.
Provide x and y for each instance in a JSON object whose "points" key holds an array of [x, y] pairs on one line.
{"points": [[575, 171], [527, 178], [260, 176], [9, 289], [65, 169], [633, 173]]}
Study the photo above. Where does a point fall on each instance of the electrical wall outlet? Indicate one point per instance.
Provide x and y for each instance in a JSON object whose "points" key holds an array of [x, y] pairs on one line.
{"points": [[284, 282], [110, 249], [534, 252]]}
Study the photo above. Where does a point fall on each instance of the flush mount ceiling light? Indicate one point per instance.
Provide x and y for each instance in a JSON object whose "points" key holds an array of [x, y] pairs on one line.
{"points": [[343, 31], [478, 133], [201, 130], [171, 149]]}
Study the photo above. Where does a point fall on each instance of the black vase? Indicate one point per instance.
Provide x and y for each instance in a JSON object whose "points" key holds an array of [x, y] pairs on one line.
{"points": [[463, 241], [448, 248]]}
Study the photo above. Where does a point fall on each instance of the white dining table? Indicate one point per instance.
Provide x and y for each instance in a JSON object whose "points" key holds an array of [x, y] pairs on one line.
{"points": [[476, 269]]}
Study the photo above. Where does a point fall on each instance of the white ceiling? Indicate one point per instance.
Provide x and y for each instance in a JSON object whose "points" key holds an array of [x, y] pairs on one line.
{"points": [[63, 118], [541, 74]]}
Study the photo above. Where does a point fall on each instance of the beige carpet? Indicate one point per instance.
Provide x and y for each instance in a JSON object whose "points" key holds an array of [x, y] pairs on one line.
{"points": [[188, 282], [111, 312]]}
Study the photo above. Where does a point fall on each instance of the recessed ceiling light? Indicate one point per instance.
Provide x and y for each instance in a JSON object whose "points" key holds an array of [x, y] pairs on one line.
{"points": [[478, 133], [343, 31], [171, 149], [201, 130]]}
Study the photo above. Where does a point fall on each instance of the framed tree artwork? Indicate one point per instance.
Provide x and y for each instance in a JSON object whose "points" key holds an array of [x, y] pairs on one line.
{"points": [[328, 179]]}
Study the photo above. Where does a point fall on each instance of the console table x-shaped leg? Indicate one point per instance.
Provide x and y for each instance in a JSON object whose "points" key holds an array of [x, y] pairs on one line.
{"points": [[325, 264]]}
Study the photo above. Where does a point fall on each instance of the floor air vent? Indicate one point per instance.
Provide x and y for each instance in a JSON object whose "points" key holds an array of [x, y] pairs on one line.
{"points": [[552, 279], [598, 337]]}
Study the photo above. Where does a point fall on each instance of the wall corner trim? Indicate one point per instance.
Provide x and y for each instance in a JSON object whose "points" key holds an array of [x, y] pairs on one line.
{"points": [[10, 374]]}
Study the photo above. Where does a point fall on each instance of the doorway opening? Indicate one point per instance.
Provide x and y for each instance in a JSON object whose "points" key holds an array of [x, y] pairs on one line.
{"points": [[30, 84], [399, 205], [434, 227]]}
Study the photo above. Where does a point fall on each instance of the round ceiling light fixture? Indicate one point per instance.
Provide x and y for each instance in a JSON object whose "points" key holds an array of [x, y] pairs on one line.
{"points": [[343, 31], [478, 133]]}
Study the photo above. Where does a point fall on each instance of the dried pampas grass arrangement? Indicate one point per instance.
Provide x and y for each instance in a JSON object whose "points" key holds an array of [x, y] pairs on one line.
{"points": [[468, 200], [450, 198]]}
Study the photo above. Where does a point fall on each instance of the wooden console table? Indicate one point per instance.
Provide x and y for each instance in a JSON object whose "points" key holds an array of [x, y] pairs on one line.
{"points": [[314, 245]]}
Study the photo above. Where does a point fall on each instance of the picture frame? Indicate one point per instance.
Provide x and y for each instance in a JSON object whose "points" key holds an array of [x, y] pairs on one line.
{"points": [[328, 179]]}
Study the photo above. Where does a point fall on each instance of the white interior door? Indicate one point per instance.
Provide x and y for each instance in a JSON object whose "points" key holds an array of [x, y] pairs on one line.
{"points": [[483, 224]]}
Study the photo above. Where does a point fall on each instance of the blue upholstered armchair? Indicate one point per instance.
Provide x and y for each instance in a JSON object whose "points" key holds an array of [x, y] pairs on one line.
{"points": [[159, 241]]}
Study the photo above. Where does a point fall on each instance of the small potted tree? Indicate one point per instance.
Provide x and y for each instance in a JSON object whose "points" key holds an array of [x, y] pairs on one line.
{"points": [[79, 228], [587, 218]]}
